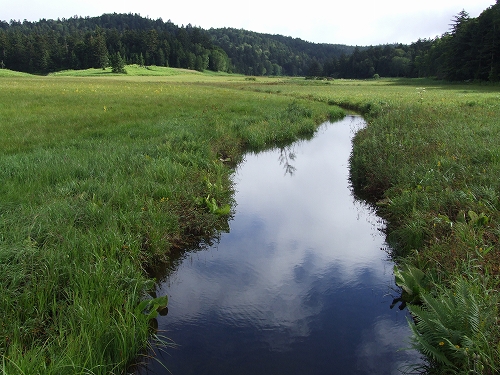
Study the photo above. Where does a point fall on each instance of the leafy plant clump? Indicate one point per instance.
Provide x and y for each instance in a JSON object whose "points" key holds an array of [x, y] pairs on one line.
{"points": [[413, 283], [454, 327]]}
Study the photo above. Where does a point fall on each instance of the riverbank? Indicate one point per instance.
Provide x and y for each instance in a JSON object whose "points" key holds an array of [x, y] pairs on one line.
{"points": [[429, 161], [103, 176]]}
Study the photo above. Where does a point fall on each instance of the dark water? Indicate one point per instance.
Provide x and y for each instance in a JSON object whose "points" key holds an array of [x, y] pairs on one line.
{"points": [[300, 285]]}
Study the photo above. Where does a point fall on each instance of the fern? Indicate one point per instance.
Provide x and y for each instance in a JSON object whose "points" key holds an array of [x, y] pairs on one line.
{"points": [[453, 327], [424, 339]]}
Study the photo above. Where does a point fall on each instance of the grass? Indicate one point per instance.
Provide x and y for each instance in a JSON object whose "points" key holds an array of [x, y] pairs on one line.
{"points": [[12, 73], [102, 179], [155, 72], [105, 175], [132, 70], [430, 160]]}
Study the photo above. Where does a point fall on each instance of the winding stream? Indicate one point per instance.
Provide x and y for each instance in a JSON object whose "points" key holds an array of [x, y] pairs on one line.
{"points": [[300, 285]]}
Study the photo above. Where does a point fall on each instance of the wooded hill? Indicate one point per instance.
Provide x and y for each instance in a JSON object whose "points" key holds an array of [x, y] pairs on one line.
{"points": [[264, 54], [469, 51], [82, 43]]}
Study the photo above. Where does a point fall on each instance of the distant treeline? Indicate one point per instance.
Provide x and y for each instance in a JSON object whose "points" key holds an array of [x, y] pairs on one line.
{"points": [[82, 43], [263, 54], [469, 51]]}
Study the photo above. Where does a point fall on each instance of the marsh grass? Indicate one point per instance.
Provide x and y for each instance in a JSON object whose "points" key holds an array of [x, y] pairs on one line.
{"points": [[102, 177], [429, 161]]}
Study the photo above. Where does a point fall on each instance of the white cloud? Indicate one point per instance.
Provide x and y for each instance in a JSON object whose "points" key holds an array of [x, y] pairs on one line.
{"points": [[382, 341]]}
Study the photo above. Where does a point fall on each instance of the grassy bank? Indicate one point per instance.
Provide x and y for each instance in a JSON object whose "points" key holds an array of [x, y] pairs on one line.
{"points": [[430, 160], [103, 176], [101, 179]]}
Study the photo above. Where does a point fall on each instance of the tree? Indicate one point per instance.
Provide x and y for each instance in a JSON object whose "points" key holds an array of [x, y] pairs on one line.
{"points": [[489, 50], [117, 64], [218, 61], [400, 66], [315, 69], [3, 46], [459, 51], [151, 42], [100, 51]]}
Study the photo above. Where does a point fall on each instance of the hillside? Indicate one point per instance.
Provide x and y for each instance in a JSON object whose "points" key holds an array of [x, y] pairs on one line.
{"points": [[254, 53], [81, 43], [469, 51]]}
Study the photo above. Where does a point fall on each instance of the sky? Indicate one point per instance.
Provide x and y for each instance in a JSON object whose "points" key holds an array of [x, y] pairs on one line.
{"points": [[351, 22]]}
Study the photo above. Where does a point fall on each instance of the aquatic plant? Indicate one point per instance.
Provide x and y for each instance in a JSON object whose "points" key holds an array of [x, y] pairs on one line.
{"points": [[412, 281], [152, 307]]}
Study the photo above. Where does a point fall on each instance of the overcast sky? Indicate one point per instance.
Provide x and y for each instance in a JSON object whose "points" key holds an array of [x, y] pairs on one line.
{"points": [[352, 22]]}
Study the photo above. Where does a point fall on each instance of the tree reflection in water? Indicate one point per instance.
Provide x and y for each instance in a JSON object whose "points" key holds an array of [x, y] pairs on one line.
{"points": [[287, 156]]}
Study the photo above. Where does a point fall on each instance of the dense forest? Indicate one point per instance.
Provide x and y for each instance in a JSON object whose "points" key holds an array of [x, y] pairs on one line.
{"points": [[263, 54], [469, 51], [81, 43]]}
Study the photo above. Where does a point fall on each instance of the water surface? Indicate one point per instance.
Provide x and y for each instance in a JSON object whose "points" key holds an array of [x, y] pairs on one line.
{"points": [[300, 285]]}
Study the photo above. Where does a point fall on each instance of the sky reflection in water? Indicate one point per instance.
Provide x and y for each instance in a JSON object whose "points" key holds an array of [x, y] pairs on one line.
{"points": [[299, 286]]}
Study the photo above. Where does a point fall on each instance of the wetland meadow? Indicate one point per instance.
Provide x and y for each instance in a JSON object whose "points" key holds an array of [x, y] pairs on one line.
{"points": [[105, 178]]}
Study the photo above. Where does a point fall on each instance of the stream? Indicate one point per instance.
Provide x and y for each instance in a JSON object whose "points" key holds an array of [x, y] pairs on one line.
{"points": [[302, 283]]}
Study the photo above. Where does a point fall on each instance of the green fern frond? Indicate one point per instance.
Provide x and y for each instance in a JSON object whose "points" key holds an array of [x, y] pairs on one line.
{"points": [[453, 326], [437, 307], [468, 306], [421, 344]]}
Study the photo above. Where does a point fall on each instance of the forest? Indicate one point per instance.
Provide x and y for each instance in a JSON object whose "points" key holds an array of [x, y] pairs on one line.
{"points": [[470, 50], [81, 43]]}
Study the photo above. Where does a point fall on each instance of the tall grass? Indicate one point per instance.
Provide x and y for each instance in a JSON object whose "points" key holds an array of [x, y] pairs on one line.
{"points": [[430, 160], [102, 178]]}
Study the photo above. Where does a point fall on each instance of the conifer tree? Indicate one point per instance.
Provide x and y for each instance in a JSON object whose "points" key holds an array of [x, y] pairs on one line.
{"points": [[117, 64]]}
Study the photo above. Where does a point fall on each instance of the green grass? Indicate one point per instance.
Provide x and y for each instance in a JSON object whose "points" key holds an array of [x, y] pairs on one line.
{"points": [[147, 71], [103, 178], [12, 73], [105, 175], [132, 70]]}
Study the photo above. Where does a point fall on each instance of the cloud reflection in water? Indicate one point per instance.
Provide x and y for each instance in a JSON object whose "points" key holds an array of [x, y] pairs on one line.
{"points": [[299, 282]]}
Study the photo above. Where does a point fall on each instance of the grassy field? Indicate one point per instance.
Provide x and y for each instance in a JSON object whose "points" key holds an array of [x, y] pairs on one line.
{"points": [[103, 176], [429, 160]]}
